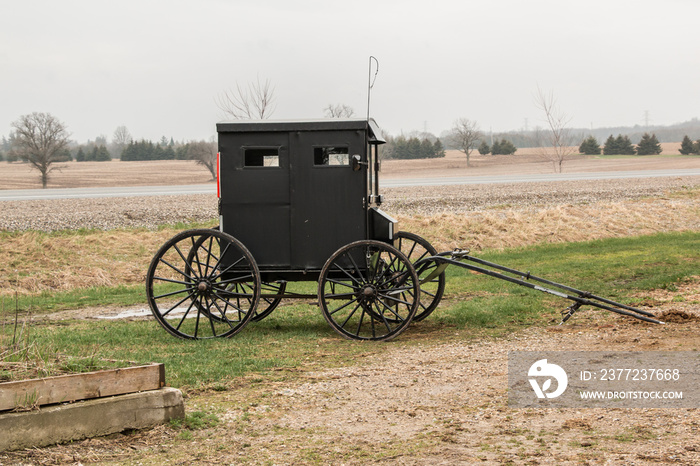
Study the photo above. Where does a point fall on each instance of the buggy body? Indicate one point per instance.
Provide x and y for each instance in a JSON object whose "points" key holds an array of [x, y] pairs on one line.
{"points": [[294, 192]]}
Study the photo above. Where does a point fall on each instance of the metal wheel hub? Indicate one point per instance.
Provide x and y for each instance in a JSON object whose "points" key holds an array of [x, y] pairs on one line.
{"points": [[369, 293], [204, 287]]}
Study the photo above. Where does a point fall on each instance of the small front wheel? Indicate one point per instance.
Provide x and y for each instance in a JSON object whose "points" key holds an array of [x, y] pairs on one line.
{"points": [[368, 290], [203, 284]]}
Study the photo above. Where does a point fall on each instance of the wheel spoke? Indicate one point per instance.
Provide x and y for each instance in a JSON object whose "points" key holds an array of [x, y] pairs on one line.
{"points": [[189, 296], [177, 270], [173, 293], [343, 307], [352, 313], [386, 323], [189, 308]]}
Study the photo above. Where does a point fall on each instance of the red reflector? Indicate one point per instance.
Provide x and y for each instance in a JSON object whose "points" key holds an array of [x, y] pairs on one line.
{"points": [[218, 175]]}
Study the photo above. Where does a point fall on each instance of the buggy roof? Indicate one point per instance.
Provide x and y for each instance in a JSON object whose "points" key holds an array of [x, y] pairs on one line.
{"points": [[335, 124]]}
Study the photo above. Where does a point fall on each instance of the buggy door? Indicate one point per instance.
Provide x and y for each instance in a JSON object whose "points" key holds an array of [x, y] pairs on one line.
{"points": [[328, 197], [255, 201]]}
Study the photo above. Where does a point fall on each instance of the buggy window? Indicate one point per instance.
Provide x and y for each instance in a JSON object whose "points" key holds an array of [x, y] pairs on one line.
{"points": [[331, 156], [262, 157]]}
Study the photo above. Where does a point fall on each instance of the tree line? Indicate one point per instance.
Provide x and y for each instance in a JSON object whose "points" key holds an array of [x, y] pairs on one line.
{"points": [[622, 145], [42, 141], [412, 148], [502, 147]]}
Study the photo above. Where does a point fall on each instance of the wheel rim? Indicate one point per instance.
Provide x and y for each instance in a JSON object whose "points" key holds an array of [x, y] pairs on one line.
{"points": [[368, 290], [203, 284], [417, 248], [271, 304]]}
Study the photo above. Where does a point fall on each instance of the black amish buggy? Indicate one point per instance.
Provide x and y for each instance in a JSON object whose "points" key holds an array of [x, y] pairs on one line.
{"points": [[299, 201]]}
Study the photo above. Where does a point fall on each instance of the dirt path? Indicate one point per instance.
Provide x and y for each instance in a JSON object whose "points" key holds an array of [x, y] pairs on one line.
{"points": [[425, 402]]}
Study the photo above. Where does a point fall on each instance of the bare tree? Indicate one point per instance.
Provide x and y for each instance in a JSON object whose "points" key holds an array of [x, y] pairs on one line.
{"points": [[338, 111], [204, 153], [556, 140], [466, 133], [255, 101], [120, 139], [39, 139]]}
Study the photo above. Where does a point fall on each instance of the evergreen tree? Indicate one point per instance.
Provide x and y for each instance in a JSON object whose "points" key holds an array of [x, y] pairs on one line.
{"points": [[80, 156], [102, 154], [621, 145], [438, 148], [169, 153], [426, 149], [400, 148], [503, 147], [648, 145], [687, 146], [181, 152], [129, 152], [92, 156], [624, 145], [589, 146], [507, 147], [412, 149], [496, 148], [484, 148], [610, 146]]}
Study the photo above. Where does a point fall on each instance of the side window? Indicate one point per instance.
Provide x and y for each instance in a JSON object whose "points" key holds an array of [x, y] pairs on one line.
{"points": [[331, 156], [261, 157]]}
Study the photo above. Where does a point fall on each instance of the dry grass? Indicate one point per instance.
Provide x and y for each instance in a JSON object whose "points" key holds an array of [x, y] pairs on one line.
{"points": [[32, 262], [489, 229]]}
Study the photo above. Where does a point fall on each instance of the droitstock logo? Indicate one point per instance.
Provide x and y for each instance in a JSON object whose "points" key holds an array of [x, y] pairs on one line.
{"points": [[542, 370], [604, 379]]}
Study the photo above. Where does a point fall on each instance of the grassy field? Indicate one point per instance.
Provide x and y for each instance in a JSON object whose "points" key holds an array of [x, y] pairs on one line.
{"points": [[297, 335]]}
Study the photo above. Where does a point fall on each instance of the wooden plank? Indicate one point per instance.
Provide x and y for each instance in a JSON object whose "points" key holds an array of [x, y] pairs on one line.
{"points": [[73, 387]]}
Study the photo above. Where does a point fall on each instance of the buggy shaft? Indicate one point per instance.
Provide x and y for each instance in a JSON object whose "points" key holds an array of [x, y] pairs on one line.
{"points": [[583, 297]]}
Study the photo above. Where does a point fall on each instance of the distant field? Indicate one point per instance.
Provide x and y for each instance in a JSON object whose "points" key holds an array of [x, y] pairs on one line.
{"points": [[114, 173], [180, 172]]}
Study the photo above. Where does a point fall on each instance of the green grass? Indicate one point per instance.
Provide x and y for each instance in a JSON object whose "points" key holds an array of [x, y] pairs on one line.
{"points": [[124, 295], [297, 336]]}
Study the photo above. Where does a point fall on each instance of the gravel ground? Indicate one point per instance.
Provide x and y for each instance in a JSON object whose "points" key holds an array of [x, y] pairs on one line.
{"points": [[150, 212]]}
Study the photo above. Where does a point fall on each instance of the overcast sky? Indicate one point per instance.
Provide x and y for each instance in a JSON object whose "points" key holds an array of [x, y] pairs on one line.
{"points": [[157, 66]]}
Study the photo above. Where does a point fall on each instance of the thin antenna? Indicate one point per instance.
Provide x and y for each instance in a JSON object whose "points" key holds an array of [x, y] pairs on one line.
{"points": [[371, 80]]}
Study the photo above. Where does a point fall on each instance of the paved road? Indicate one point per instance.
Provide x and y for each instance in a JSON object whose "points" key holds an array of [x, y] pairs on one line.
{"points": [[77, 193]]}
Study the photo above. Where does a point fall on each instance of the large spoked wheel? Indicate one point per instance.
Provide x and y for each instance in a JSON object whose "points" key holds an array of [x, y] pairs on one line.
{"points": [[203, 284], [368, 290], [417, 248]]}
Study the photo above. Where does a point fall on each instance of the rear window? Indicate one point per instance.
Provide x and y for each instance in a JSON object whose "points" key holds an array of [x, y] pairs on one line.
{"points": [[262, 157]]}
